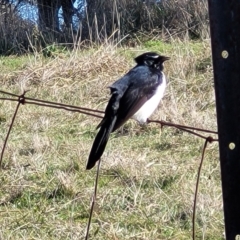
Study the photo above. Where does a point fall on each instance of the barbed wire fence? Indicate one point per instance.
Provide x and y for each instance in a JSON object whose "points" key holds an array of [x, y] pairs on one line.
{"points": [[22, 99]]}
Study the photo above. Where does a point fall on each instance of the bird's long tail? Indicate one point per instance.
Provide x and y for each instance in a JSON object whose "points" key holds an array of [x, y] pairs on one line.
{"points": [[100, 142]]}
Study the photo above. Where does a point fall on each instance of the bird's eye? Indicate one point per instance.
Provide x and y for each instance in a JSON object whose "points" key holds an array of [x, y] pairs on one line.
{"points": [[149, 62]]}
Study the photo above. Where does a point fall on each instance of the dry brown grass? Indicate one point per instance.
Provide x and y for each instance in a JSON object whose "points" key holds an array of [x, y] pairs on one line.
{"points": [[147, 178]]}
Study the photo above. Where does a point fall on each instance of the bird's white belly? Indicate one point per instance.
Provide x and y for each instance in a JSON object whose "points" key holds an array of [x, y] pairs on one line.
{"points": [[150, 106]]}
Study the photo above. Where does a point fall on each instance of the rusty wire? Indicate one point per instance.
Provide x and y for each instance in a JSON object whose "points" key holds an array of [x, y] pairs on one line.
{"points": [[22, 99], [208, 140], [94, 197]]}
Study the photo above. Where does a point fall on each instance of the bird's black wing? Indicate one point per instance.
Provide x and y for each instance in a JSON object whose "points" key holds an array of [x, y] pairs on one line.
{"points": [[143, 86]]}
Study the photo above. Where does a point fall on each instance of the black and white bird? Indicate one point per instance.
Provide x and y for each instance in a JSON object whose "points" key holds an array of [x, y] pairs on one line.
{"points": [[136, 95]]}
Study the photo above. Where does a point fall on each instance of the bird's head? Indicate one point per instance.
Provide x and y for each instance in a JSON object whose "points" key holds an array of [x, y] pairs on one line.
{"points": [[151, 59]]}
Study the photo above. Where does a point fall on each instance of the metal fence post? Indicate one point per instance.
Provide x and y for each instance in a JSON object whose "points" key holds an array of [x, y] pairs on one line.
{"points": [[225, 39]]}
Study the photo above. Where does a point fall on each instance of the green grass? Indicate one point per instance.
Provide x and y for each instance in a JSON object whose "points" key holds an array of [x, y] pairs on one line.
{"points": [[13, 63], [148, 175]]}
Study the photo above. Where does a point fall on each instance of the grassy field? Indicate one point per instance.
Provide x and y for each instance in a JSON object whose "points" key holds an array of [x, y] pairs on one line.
{"points": [[148, 176]]}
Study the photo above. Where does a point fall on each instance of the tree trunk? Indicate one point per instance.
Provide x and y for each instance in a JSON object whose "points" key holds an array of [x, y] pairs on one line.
{"points": [[48, 14], [68, 11]]}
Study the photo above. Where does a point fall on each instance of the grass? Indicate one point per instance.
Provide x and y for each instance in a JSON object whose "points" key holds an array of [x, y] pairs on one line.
{"points": [[148, 176]]}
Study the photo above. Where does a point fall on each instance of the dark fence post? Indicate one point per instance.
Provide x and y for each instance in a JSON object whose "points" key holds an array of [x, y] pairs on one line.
{"points": [[225, 39]]}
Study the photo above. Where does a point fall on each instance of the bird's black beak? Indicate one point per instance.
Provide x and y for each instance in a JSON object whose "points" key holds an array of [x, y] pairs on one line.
{"points": [[163, 58]]}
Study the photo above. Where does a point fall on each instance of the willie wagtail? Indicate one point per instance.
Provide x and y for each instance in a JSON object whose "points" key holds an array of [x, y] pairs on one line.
{"points": [[136, 95]]}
